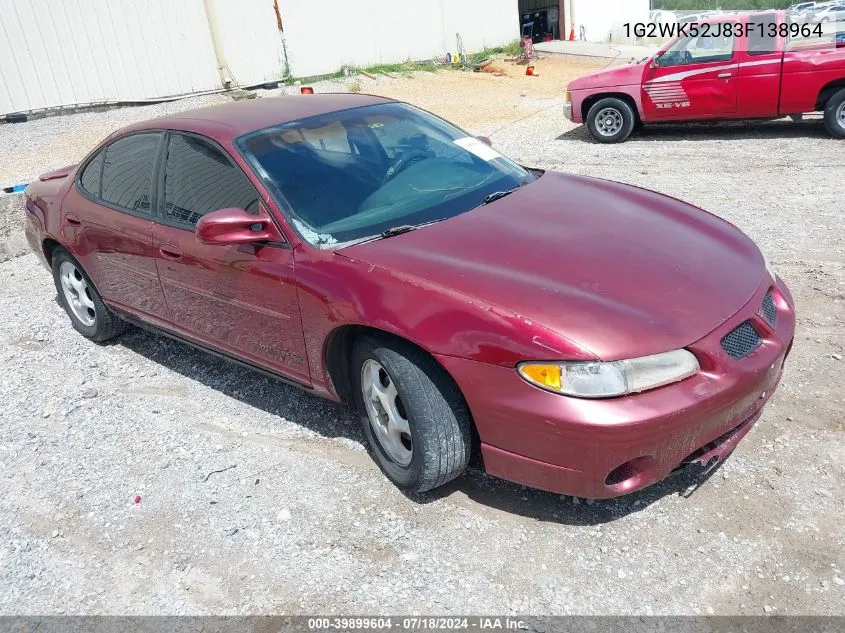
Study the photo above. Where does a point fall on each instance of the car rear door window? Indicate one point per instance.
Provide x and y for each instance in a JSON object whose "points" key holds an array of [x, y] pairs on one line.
{"points": [[128, 172], [199, 179], [90, 178]]}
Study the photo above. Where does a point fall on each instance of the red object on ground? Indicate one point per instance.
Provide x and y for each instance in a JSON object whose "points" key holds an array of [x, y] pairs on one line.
{"points": [[306, 90], [137, 498], [529, 70], [572, 35], [564, 269]]}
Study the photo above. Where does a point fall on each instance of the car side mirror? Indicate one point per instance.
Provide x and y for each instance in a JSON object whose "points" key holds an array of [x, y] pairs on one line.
{"points": [[486, 140], [228, 227], [655, 62]]}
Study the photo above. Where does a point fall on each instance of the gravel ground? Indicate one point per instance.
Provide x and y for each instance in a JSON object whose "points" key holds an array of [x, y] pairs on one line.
{"points": [[256, 498], [12, 239]]}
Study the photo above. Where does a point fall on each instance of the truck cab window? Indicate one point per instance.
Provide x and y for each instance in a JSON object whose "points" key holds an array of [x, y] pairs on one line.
{"points": [[705, 48], [762, 38]]}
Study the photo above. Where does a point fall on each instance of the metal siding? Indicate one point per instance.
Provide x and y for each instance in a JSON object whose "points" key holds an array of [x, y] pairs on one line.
{"points": [[369, 32], [78, 52], [601, 17], [252, 44]]}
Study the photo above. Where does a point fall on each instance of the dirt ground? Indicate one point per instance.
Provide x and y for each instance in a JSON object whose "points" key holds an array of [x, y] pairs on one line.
{"points": [[257, 498], [484, 100]]}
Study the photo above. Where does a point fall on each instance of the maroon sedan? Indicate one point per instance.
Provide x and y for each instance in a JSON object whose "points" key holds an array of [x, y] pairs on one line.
{"points": [[588, 337]]}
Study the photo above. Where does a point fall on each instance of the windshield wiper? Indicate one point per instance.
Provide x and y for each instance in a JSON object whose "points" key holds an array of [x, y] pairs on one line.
{"points": [[498, 195], [392, 232], [398, 230]]}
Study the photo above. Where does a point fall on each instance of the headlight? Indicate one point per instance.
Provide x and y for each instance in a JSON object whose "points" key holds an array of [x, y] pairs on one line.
{"points": [[606, 380]]}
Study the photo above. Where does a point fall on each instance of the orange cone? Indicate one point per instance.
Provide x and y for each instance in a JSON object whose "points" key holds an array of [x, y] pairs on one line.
{"points": [[572, 35], [529, 71]]}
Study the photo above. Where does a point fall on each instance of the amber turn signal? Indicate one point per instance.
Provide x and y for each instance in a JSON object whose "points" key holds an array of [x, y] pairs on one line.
{"points": [[543, 375]]}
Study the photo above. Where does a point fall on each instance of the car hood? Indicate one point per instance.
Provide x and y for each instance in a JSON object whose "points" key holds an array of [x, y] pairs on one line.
{"points": [[616, 76], [621, 271]]}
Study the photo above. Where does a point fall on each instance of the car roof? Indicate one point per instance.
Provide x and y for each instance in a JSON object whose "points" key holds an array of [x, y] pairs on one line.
{"points": [[723, 16], [227, 121]]}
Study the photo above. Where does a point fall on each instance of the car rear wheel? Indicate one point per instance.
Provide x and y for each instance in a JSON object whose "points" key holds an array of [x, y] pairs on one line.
{"points": [[80, 299], [834, 114], [414, 417], [611, 120]]}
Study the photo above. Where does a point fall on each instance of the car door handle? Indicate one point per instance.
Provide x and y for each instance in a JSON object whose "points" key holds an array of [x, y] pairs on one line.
{"points": [[72, 219], [170, 251], [725, 75]]}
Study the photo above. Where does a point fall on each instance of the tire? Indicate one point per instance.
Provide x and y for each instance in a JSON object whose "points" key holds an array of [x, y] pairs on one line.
{"points": [[611, 120], [834, 114], [88, 314], [438, 444]]}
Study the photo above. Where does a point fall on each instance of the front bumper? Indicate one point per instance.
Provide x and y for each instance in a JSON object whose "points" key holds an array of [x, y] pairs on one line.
{"points": [[606, 448]]}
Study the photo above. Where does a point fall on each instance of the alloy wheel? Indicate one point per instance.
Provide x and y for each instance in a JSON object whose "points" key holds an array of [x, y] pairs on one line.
{"points": [[386, 413], [77, 294], [609, 121]]}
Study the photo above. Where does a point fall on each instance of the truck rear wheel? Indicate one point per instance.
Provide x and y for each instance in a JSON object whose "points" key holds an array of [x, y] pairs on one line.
{"points": [[611, 120], [834, 114]]}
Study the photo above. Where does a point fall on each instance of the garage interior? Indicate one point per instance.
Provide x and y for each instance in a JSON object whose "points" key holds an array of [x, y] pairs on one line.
{"points": [[542, 20]]}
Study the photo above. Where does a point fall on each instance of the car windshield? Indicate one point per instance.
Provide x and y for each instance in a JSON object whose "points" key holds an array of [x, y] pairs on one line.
{"points": [[355, 174]]}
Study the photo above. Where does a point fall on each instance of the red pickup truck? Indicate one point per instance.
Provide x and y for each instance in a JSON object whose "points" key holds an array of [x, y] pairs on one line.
{"points": [[734, 66]]}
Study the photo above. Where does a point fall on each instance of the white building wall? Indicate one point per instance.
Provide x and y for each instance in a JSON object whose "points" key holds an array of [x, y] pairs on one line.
{"points": [[601, 18], [71, 52], [57, 53], [250, 38], [369, 32]]}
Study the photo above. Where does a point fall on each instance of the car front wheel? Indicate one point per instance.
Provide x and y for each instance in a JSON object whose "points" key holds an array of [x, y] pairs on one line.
{"points": [[611, 120], [415, 419], [80, 299], [834, 114]]}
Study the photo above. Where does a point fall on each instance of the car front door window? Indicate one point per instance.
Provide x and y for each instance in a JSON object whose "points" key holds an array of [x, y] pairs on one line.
{"points": [[199, 179]]}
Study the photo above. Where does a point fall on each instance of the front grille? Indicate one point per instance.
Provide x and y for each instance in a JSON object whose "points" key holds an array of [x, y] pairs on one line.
{"points": [[770, 312], [741, 341]]}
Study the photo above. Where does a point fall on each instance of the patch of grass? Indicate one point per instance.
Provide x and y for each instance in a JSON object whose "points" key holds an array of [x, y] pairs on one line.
{"points": [[513, 49], [428, 66], [405, 67]]}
